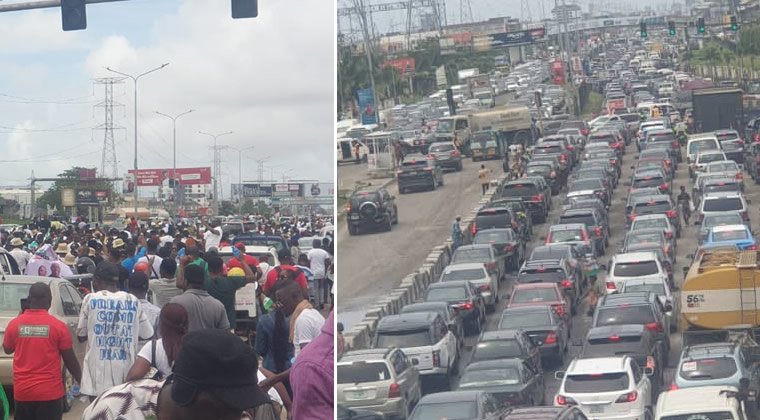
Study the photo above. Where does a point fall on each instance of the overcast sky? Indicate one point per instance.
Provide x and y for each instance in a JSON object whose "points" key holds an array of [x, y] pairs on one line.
{"points": [[269, 79]]}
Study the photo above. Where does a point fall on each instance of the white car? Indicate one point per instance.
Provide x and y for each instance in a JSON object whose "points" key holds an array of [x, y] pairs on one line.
{"points": [[704, 402], [703, 159], [699, 143], [607, 388], [634, 265]]}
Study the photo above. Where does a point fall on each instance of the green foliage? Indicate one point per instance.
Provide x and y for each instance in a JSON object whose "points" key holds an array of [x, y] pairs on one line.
{"points": [[69, 179]]}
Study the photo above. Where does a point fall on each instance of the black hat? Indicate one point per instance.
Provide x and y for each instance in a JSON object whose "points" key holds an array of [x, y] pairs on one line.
{"points": [[218, 362], [283, 253], [138, 280], [107, 271]]}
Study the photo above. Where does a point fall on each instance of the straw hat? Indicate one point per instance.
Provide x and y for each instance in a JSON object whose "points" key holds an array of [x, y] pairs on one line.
{"points": [[117, 243], [17, 242], [70, 259], [62, 249]]}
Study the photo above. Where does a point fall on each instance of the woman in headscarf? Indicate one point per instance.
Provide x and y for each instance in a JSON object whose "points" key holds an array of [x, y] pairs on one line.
{"points": [[161, 353]]}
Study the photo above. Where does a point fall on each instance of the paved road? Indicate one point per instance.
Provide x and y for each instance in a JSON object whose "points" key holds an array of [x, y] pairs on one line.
{"points": [[374, 263], [581, 322]]}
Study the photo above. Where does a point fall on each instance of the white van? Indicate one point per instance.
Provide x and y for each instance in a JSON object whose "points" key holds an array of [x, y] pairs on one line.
{"points": [[699, 143], [704, 402]]}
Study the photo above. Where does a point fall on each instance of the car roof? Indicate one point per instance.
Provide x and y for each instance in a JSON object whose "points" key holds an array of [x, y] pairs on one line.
{"points": [[473, 246], [631, 298], [650, 216], [505, 334], [727, 228], [570, 212], [693, 400], [448, 284], [424, 307], [464, 266], [538, 285], [634, 256], [526, 309], [567, 226], [449, 396], [407, 321], [597, 365], [364, 354], [536, 413], [495, 364]]}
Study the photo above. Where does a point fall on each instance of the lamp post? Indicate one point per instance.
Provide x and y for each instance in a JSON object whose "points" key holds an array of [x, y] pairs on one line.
{"points": [[135, 79], [216, 167], [240, 175], [174, 147]]}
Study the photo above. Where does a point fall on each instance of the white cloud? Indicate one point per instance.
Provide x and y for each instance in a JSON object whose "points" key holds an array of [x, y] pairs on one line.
{"points": [[269, 79]]}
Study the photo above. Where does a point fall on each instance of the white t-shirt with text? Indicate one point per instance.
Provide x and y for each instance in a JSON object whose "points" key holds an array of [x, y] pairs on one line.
{"points": [[307, 327]]}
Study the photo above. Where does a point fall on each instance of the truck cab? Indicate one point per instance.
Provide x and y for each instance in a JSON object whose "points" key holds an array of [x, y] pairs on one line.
{"points": [[457, 126]]}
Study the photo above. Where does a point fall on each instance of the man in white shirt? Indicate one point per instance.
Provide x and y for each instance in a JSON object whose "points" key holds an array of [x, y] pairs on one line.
{"points": [[212, 236], [152, 259], [111, 322], [319, 260], [305, 321], [22, 257]]}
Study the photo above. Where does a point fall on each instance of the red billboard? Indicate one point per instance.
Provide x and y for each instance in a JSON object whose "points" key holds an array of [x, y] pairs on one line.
{"points": [[185, 176], [404, 65]]}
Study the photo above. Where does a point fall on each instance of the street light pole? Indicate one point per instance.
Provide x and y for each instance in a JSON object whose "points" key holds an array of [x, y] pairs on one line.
{"points": [[216, 168], [135, 79], [240, 175], [174, 142]]}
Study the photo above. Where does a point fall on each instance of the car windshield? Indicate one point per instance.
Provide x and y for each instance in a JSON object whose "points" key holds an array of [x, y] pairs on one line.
{"points": [[701, 415], [492, 237], [536, 276], [648, 181], [617, 315], [585, 184], [524, 320], [707, 369], [496, 349], [443, 147], [566, 235], [635, 268], [730, 235], [587, 219], [460, 410], [598, 382], [722, 167], [11, 295], [723, 204], [722, 187], [539, 169], [711, 157], [519, 190], [651, 207], [446, 294], [656, 288], [532, 295], [491, 219], [702, 145], [469, 274], [726, 136], [465, 255], [658, 223], [403, 339], [491, 377], [643, 238], [722, 219], [359, 372]]}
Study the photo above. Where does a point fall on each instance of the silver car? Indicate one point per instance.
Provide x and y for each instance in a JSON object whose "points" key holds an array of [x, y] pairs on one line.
{"points": [[476, 273], [381, 380]]}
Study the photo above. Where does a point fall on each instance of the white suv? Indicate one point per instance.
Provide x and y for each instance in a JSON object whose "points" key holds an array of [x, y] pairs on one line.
{"points": [[634, 265], [607, 388]]}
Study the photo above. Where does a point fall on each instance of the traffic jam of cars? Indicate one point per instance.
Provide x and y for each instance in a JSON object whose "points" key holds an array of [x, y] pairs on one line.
{"points": [[613, 277]]}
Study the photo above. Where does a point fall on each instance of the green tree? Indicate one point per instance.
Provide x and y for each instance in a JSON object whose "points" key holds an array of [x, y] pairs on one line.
{"points": [[227, 208], [69, 179]]}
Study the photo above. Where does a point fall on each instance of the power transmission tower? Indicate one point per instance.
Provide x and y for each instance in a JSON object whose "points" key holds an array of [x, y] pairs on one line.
{"points": [[217, 148], [260, 171], [525, 11], [108, 164], [465, 11]]}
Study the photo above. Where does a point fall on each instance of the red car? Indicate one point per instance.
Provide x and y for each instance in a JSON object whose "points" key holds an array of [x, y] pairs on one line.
{"points": [[541, 294]]}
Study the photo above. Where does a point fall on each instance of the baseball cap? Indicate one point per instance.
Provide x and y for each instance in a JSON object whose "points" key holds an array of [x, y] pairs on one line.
{"points": [[240, 246], [220, 363], [138, 280], [283, 253], [107, 271], [236, 272]]}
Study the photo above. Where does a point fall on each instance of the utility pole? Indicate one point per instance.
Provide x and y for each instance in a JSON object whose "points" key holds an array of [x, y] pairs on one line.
{"points": [[135, 79], [217, 167], [240, 175], [362, 12], [174, 151], [260, 171]]}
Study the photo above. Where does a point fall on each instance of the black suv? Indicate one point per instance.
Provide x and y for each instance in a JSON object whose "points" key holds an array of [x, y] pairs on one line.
{"points": [[371, 207], [634, 340], [641, 308], [520, 214], [532, 195], [419, 171]]}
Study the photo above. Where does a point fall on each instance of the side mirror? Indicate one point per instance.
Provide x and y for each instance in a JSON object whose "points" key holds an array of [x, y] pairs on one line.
{"points": [[559, 374], [415, 362]]}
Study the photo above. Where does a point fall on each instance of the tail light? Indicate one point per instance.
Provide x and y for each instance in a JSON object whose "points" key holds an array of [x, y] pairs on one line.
{"points": [[566, 284], [436, 358], [514, 226], [394, 391], [551, 338], [673, 387], [465, 306], [569, 147], [751, 248], [431, 156], [508, 248], [399, 172], [739, 176], [563, 400], [610, 285], [650, 362], [654, 327], [628, 398], [598, 232], [740, 141], [584, 132], [631, 217], [675, 144], [671, 213], [563, 158], [454, 153], [745, 215], [669, 235], [559, 309], [552, 174], [485, 287], [668, 162], [474, 228], [537, 198], [613, 162], [664, 187]]}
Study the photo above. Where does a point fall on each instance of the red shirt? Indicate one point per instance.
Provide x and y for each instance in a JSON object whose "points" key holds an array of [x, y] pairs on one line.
{"points": [[272, 277], [38, 339], [252, 262]]}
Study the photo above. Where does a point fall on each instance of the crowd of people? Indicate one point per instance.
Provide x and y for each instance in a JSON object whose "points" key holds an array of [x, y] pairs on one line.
{"points": [[159, 320]]}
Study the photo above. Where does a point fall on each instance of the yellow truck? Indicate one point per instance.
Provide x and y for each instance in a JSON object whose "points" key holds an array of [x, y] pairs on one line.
{"points": [[720, 292], [512, 123]]}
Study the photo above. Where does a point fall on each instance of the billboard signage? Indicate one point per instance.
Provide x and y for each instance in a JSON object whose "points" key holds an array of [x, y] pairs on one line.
{"points": [[287, 190], [68, 197], [366, 100], [87, 173], [87, 198], [404, 65], [185, 176], [253, 190], [511, 39], [319, 189]]}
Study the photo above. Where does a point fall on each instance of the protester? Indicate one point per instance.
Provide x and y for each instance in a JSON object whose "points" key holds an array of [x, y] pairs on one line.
{"points": [[319, 260], [153, 260], [112, 322], [286, 264], [215, 376], [213, 235], [18, 253], [165, 288], [203, 311], [37, 350], [272, 341], [311, 377], [305, 321], [162, 352], [223, 288], [138, 286]]}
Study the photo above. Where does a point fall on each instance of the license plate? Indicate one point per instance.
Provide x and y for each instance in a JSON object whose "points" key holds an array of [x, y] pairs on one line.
{"points": [[596, 409], [357, 395], [354, 217], [491, 151], [444, 157]]}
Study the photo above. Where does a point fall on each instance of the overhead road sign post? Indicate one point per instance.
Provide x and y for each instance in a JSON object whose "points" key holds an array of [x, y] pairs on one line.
{"points": [[643, 29], [245, 9], [74, 15], [671, 28]]}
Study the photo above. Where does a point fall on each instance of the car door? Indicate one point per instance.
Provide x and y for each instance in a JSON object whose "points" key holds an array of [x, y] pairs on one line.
{"points": [[534, 383], [643, 385], [530, 351], [403, 376], [71, 303]]}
